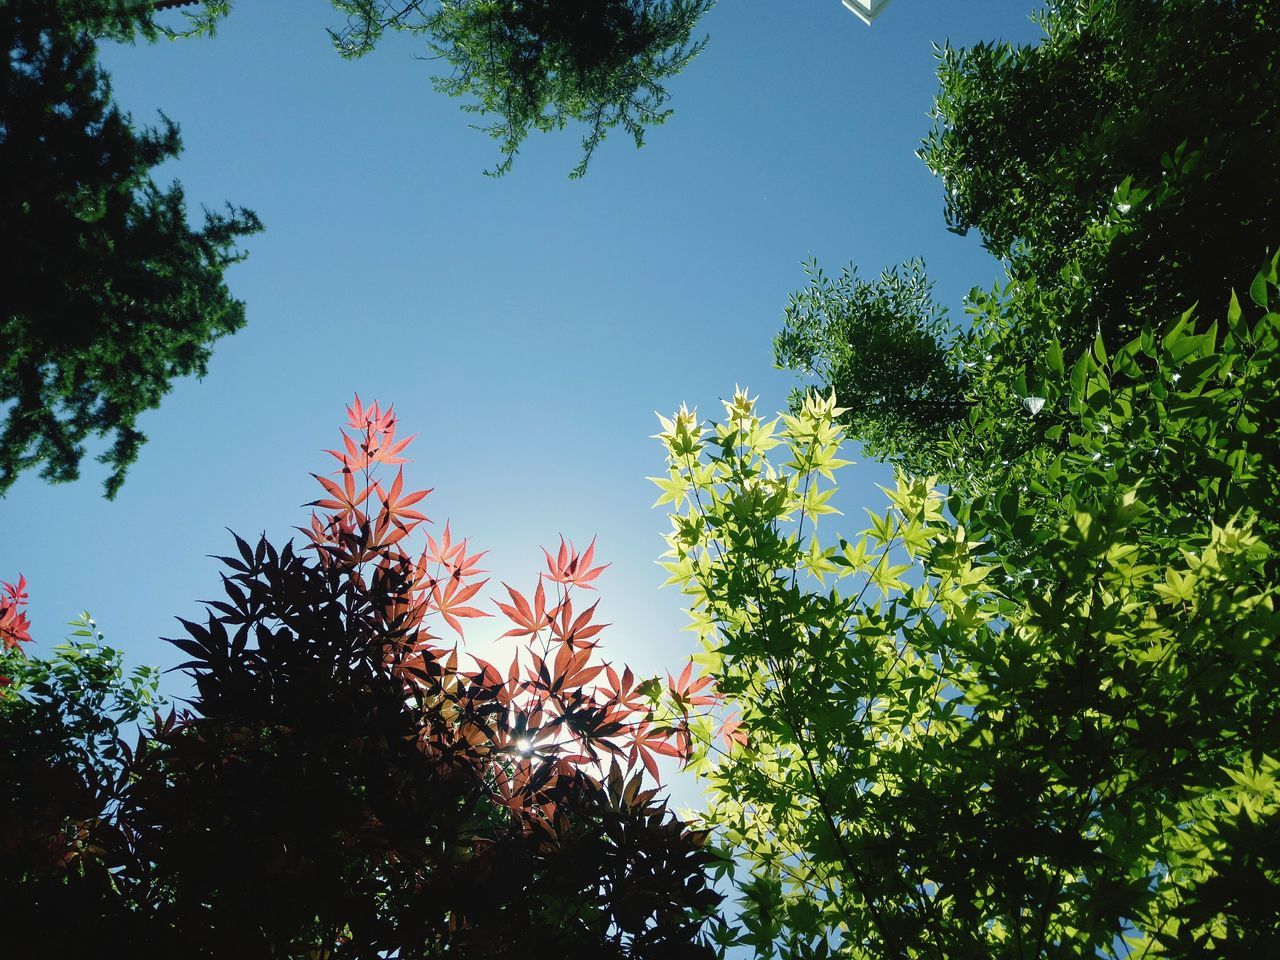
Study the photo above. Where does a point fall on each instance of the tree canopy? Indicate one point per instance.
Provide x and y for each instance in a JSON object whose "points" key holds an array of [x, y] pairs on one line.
{"points": [[536, 65], [1042, 726], [1121, 169], [1032, 715], [343, 783], [1124, 163], [108, 292]]}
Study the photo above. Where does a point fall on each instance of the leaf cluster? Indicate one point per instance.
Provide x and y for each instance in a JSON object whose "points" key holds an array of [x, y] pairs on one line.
{"points": [[341, 784], [1121, 170], [883, 346], [111, 294], [1042, 727], [540, 64], [62, 723], [534, 65]]}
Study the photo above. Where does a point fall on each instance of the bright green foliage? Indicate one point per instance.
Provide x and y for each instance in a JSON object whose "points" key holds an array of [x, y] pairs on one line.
{"points": [[1062, 749], [107, 294], [82, 692]]}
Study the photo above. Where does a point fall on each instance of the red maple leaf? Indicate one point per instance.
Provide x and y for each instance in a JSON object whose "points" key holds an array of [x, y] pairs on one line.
{"points": [[528, 620], [15, 628], [731, 732], [565, 628], [622, 691], [570, 668], [687, 692], [346, 498], [450, 597], [646, 742], [452, 556], [396, 507], [572, 568]]}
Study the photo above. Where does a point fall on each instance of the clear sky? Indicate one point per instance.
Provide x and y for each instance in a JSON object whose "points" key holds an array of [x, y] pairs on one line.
{"points": [[527, 327]]}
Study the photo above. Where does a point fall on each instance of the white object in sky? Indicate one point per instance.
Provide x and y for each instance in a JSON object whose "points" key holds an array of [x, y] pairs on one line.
{"points": [[866, 10]]}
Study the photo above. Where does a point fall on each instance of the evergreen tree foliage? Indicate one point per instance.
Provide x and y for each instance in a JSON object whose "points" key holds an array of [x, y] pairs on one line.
{"points": [[1126, 163], [107, 292], [536, 65], [906, 386]]}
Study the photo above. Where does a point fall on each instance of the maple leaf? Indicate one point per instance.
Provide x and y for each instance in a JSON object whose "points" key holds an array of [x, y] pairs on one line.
{"points": [[488, 675], [15, 628], [380, 444], [570, 668], [352, 457], [346, 498], [570, 631], [360, 417], [15, 594], [645, 743], [590, 724], [570, 567], [731, 732], [395, 508], [686, 691], [388, 447], [380, 422], [622, 691], [449, 599], [452, 556], [528, 619], [356, 415]]}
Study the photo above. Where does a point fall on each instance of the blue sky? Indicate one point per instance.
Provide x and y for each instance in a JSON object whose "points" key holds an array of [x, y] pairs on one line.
{"points": [[527, 327]]}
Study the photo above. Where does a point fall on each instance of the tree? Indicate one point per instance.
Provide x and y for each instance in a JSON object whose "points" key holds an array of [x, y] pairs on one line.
{"points": [[884, 342], [1125, 162], [1054, 742], [1121, 168], [110, 294], [344, 784], [950, 750], [537, 64], [62, 720]]}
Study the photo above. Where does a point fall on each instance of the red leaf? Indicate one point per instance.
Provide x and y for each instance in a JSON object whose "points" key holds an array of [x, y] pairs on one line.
{"points": [[15, 628], [450, 598], [687, 693], [528, 620], [571, 631], [346, 498], [571, 568], [732, 733]]}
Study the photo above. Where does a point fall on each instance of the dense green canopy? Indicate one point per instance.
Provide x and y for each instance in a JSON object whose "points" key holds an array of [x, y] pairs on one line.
{"points": [[107, 292], [1041, 727], [1122, 168], [1033, 717]]}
